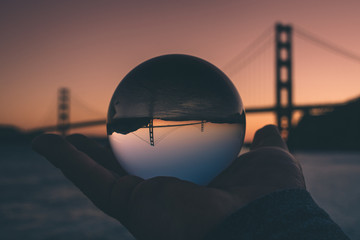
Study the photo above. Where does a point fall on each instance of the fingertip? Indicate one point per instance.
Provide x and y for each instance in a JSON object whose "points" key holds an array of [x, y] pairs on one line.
{"points": [[76, 138], [269, 129], [268, 136], [96, 151], [42, 143], [55, 149]]}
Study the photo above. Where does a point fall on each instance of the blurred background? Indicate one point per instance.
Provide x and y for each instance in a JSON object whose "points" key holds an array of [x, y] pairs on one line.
{"points": [[294, 63]]}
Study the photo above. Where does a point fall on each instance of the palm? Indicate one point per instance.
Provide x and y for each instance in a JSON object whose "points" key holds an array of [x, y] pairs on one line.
{"points": [[165, 207]]}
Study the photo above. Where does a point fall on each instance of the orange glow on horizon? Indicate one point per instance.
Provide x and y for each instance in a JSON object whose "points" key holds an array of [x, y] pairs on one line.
{"points": [[89, 46]]}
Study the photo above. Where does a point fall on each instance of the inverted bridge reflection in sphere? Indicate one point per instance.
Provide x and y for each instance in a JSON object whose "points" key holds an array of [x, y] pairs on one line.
{"points": [[176, 115], [192, 151]]}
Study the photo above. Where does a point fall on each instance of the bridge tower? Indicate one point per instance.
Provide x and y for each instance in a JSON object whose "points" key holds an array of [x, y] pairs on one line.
{"points": [[63, 122], [151, 132], [283, 55]]}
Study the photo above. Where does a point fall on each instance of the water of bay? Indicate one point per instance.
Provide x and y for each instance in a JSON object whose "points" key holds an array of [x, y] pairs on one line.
{"points": [[37, 202]]}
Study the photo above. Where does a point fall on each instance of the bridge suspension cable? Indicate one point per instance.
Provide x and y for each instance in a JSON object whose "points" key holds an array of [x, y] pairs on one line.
{"points": [[255, 68], [251, 71], [158, 138], [304, 34], [243, 55], [142, 139], [157, 141], [259, 51], [83, 108]]}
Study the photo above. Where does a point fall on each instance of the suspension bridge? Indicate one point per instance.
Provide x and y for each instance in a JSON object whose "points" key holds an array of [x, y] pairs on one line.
{"points": [[282, 40]]}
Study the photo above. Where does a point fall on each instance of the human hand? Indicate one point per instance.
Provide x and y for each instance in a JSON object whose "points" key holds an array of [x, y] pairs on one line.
{"points": [[167, 207]]}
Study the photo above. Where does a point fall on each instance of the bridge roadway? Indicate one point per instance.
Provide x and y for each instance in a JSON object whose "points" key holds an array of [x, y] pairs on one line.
{"points": [[304, 108], [252, 110]]}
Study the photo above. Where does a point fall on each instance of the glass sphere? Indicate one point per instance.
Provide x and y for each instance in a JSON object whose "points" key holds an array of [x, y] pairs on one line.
{"points": [[176, 115]]}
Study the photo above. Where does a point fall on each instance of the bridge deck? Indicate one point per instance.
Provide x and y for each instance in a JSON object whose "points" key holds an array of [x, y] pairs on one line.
{"points": [[248, 110]]}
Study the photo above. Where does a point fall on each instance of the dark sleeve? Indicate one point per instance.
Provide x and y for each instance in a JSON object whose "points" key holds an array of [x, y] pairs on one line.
{"points": [[287, 214]]}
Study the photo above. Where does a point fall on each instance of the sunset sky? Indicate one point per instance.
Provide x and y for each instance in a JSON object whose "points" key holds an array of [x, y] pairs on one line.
{"points": [[89, 46]]}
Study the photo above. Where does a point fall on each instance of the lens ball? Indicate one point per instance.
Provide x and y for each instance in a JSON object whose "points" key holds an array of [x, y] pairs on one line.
{"points": [[176, 115]]}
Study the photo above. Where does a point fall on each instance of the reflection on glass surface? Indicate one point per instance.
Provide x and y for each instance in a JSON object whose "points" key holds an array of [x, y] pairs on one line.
{"points": [[176, 115]]}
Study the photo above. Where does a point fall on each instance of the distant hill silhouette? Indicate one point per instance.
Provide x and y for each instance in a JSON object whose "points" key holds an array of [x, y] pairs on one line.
{"points": [[12, 134], [335, 130]]}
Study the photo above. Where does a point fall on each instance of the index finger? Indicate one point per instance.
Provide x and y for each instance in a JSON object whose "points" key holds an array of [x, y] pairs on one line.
{"points": [[92, 179], [95, 151]]}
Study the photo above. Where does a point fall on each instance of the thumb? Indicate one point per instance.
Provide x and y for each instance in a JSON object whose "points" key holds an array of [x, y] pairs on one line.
{"points": [[268, 136]]}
